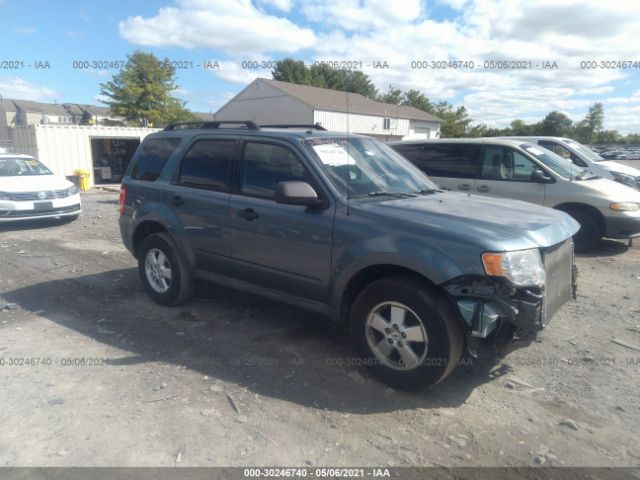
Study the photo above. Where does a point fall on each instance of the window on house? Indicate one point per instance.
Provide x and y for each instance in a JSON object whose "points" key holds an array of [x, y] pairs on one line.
{"points": [[386, 124]]}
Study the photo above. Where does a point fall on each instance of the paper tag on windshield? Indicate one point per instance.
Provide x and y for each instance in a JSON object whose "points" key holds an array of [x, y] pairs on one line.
{"points": [[333, 154]]}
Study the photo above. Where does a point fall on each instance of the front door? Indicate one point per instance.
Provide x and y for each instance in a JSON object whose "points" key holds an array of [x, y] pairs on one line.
{"points": [[283, 247], [508, 173]]}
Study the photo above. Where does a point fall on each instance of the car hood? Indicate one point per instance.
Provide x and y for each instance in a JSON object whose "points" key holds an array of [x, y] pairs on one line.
{"points": [[493, 223], [619, 167], [33, 183], [610, 190]]}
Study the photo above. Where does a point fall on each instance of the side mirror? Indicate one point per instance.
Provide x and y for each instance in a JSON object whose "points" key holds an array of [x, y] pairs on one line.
{"points": [[540, 176], [297, 193]]}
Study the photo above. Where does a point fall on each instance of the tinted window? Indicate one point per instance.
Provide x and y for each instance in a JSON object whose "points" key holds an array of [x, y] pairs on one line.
{"points": [[266, 165], [501, 163], [152, 157], [410, 152], [206, 164], [454, 161], [562, 151]]}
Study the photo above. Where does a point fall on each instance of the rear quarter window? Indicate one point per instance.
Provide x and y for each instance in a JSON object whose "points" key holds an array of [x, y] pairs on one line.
{"points": [[152, 158]]}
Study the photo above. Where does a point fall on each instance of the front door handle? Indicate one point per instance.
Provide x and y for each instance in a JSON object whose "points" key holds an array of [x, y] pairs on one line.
{"points": [[248, 214], [464, 186], [483, 189], [176, 200]]}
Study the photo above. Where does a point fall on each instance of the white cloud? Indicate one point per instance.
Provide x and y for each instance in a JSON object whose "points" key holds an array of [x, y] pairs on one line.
{"points": [[19, 89], [233, 26], [24, 30], [360, 14], [232, 72], [74, 34], [283, 5]]}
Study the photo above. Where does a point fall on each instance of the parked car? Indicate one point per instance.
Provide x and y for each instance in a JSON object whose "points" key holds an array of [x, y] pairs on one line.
{"points": [[343, 225], [587, 159], [521, 170], [29, 190]]}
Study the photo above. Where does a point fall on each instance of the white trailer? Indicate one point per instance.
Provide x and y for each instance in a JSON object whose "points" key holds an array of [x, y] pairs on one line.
{"points": [[66, 148]]}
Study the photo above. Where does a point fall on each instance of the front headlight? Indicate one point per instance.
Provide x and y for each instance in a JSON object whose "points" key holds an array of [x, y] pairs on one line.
{"points": [[72, 190], [524, 267], [624, 179], [625, 206]]}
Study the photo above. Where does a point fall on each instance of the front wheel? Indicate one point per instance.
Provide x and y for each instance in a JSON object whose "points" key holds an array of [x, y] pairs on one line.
{"points": [[407, 333], [164, 274], [589, 234]]}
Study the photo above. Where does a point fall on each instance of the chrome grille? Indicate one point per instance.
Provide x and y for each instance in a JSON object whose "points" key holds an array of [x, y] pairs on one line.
{"points": [[33, 196], [558, 265]]}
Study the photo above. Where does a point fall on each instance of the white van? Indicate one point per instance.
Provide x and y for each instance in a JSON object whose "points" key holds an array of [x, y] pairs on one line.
{"points": [[584, 157], [522, 170]]}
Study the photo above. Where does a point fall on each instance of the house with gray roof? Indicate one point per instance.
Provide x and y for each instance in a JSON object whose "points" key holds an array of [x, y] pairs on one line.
{"points": [[268, 101]]}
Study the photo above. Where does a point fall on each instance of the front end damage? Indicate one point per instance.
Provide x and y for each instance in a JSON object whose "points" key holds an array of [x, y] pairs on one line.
{"points": [[494, 308]]}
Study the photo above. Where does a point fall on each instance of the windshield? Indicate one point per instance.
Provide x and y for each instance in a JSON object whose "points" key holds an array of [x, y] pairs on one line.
{"points": [[12, 167], [584, 151], [363, 166], [557, 163]]}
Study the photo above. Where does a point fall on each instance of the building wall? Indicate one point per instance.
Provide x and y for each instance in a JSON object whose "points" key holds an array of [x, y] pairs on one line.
{"points": [[65, 148], [265, 105], [363, 124], [421, 130]]}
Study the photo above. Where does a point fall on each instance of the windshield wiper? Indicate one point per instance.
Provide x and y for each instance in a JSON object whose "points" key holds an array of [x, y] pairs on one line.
{"points": [[382, 194], [428, 191]]}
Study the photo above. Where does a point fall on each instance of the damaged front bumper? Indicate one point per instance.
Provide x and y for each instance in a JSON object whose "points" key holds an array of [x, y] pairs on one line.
{"points": [[487, 304]]}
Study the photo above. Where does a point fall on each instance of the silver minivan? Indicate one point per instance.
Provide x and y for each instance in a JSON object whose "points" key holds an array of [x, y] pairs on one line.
{"points": [[522, 170], [584, 157]]}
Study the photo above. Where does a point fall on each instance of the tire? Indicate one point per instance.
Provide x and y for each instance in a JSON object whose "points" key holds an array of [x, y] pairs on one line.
{"points": [[426, 313], [168, 281], [589, 234]]}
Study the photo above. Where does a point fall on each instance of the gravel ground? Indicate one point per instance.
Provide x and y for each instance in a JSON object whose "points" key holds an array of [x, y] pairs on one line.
{"points": [[92, 373]]}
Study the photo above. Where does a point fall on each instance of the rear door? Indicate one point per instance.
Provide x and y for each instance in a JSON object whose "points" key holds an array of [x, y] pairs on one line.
{"points": [[452, 166], [283, 247], [199, 198], [505, 172]]}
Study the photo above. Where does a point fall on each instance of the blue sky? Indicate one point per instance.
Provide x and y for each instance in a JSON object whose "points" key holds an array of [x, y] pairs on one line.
{"points": [[563, 31]]}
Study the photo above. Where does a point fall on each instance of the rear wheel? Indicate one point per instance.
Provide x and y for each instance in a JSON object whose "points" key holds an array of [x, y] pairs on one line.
{"points": [[589, 234], [406, 333], [164, 274]]}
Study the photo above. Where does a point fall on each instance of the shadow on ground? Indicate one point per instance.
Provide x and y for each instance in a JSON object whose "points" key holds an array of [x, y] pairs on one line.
{"points": [[272, 349], [607, 248]]}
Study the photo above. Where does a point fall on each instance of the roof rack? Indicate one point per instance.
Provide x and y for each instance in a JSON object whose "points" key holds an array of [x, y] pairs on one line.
{"points": [[181, 125], [315, 126]]}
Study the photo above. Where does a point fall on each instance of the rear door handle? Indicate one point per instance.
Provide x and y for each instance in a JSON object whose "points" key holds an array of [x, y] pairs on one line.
{"points": [[176, 200], [248, 214], [464, 186], [483, 188]]}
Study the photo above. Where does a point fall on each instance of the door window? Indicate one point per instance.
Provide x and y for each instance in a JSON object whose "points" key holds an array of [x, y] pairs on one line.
{"points": [[501, 163], [453, 161], [265, 165], [207, 164]]}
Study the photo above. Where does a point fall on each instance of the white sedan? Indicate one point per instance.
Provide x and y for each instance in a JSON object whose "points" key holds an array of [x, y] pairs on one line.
{"points": [[29, 190]]}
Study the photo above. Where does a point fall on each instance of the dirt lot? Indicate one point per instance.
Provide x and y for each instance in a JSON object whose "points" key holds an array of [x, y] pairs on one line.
{"points": [[93, 373]]}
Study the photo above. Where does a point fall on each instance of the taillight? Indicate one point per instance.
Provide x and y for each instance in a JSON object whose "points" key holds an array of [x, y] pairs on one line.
{"points": [[122, 200]]}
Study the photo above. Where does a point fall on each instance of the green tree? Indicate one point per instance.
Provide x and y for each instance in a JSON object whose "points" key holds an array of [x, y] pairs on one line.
{"points": [[594, 120], [608, 137], [324, 76], [456, 120], [518, 127], [555, 124], [393, 95], [141, 92], [292, 71], [417, 99]]}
